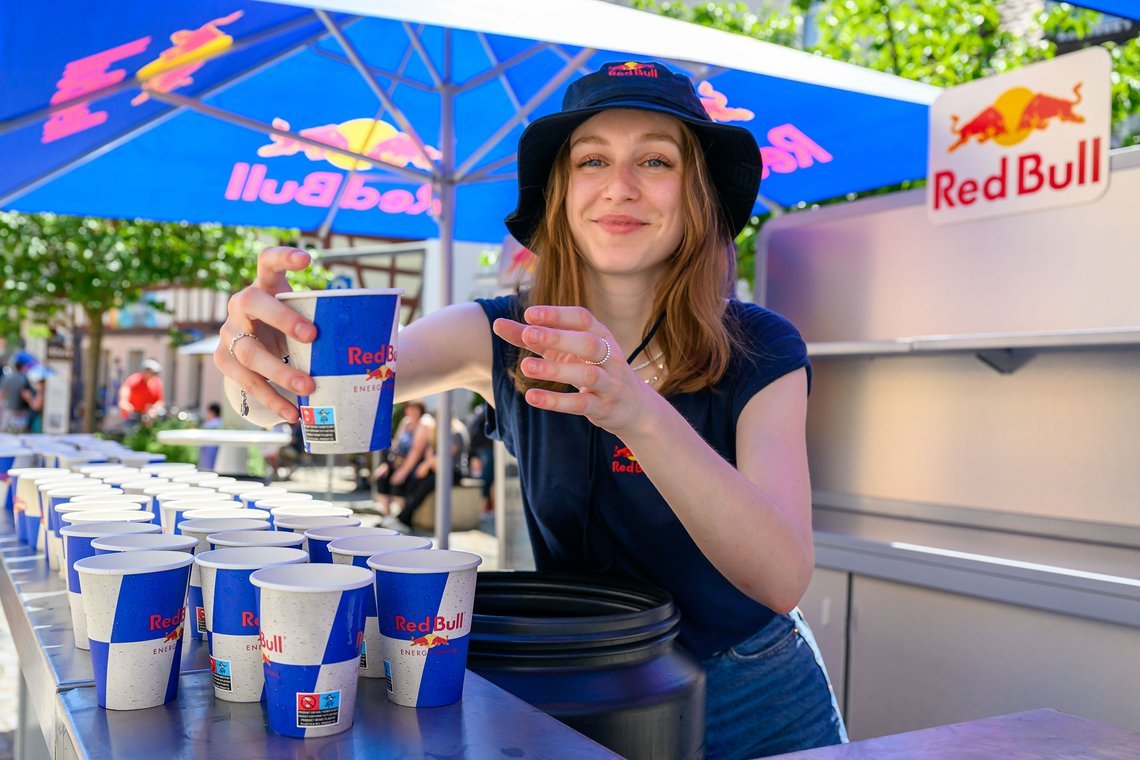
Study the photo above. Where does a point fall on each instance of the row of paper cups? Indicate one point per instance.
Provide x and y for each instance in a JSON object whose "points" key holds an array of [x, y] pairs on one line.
{"points": [[296, 636]]}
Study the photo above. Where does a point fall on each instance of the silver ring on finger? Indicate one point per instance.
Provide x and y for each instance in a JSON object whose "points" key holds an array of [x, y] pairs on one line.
{"points": [[604, 359], [238, 337]]}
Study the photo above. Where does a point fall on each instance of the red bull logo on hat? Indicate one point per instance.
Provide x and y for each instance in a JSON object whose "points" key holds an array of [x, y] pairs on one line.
{"points": [[633, 69]]}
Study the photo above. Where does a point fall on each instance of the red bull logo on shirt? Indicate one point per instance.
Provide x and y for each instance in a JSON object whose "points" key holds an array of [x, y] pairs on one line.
{"points": [[624, 461]]}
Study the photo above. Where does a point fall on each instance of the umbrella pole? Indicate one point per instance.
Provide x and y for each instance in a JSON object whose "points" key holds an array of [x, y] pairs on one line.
{"points": [[446, 186]]}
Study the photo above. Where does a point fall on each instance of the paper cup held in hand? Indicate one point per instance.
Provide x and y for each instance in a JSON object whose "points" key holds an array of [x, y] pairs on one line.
{"points": [[353, 361]]}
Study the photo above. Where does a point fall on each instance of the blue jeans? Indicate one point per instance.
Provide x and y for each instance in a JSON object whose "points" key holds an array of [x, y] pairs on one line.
{"points": [[770, 694]]}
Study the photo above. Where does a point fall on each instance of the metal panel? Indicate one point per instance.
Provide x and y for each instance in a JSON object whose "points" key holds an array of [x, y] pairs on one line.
{"points": [[878, 269], [1056, 438], [921, 658]]}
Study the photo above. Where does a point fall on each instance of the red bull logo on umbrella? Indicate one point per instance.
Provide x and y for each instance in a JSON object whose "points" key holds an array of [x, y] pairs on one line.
{"points": [[172, 70], [373, 138]]}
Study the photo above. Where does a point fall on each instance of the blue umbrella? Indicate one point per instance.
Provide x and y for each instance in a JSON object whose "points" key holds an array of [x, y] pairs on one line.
{"points": [[395, 119]]}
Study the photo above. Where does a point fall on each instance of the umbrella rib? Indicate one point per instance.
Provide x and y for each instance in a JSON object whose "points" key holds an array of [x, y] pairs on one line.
{"points": [[135, 82], [501, 66], [114, 142], [535, 100], [334, 209], [360, 66], [481, 174], [376, 70], [511, 95], [558, 51], [418, 45]]}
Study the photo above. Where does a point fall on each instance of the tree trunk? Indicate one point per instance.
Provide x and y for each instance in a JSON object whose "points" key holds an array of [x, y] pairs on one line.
{"points": [[91, 368]]}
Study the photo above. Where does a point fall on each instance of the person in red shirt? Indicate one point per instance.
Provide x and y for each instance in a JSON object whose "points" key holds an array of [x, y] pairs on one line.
{"points": [[140, 395]]}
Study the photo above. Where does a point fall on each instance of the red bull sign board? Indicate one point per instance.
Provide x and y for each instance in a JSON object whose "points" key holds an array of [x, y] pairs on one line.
{"points": [[1034, 138]]}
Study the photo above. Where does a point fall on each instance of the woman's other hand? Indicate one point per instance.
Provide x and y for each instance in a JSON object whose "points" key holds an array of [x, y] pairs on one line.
{"points": [[578, 350]]}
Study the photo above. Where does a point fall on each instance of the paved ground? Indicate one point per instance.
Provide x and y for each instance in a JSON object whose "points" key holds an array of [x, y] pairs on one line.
{"points": [[311, 479]]}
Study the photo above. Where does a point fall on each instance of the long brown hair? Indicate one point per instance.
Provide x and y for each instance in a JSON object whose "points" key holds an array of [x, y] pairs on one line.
{"points": [[701, 274]]}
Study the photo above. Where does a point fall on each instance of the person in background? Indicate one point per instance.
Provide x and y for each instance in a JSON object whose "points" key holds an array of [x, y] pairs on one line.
{"points": [[141, 394], [397, 473], [18, 395], [481, 462], [659, 422], [208, 455]]}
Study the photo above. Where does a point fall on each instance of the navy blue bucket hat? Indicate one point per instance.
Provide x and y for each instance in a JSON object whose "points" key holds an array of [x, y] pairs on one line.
{"points": [[731, 152]]}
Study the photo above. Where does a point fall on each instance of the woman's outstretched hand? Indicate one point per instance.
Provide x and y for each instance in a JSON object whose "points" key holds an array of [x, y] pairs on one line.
{"points": [[578, 350], [255, 313]]}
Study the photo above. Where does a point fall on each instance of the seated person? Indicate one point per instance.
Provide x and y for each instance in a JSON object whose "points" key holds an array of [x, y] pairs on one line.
{"points": [[412, 439]]}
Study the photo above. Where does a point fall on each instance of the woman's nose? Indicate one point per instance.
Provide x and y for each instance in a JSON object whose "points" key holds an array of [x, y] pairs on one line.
{"points": [[622, 183]]}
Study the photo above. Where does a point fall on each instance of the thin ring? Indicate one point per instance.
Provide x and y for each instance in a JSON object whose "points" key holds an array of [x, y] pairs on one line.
{"points": [[238, 337], [605, 358]]}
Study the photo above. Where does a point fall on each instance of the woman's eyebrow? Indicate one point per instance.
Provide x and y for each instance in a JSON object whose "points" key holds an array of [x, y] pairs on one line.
{"points": [[644, 138]]}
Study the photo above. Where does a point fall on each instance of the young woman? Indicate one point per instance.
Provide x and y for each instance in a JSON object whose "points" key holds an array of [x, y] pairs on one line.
{"points": [[658, 423]]}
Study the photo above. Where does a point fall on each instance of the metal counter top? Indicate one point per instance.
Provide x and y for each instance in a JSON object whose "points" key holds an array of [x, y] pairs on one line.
{"points": [[487, 722], [1033, 735], [1071, 577], [60, 689]]}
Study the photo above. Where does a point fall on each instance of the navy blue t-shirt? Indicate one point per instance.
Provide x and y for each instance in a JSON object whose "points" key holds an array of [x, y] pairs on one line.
{"points": [[590, 508]]}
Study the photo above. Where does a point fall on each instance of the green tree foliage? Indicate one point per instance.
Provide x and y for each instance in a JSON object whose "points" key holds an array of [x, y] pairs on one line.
{"points": [[938, 42], [48, 262]]}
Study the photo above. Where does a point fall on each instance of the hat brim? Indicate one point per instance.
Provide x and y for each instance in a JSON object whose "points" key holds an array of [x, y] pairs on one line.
{"points": [[731, 154]]}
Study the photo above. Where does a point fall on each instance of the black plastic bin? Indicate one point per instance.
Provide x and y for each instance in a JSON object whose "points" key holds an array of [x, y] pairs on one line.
{"points": [[595, 653]]}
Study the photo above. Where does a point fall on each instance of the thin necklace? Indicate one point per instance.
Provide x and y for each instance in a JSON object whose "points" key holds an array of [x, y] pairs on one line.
{"points": [[660, 367], [646, 363]]}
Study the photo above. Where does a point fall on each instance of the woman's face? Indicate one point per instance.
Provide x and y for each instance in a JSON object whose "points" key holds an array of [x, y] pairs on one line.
{"points": [[624, 198]]}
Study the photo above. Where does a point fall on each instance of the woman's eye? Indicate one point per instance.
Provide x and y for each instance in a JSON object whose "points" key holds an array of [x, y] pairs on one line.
{"points": [[590, 162], [657, 162]]}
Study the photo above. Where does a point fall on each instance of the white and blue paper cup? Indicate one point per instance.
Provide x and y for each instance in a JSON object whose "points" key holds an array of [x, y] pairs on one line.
{"points": [[53, 497], [302, 523], [165, 469], [167, 514], [157, 488], [12, 457], [231, 539], [140, 483], [214, 512], [317, 539], [135, 615], [239, 487], [356, 550], [17, 495], [51, 484], [312, 623], [353, 361], [139, 458], [86, 506], [425, 600], [231, 617], [78, 539], [140, 542], [250, 496], [28, 494], [201, 530]]}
